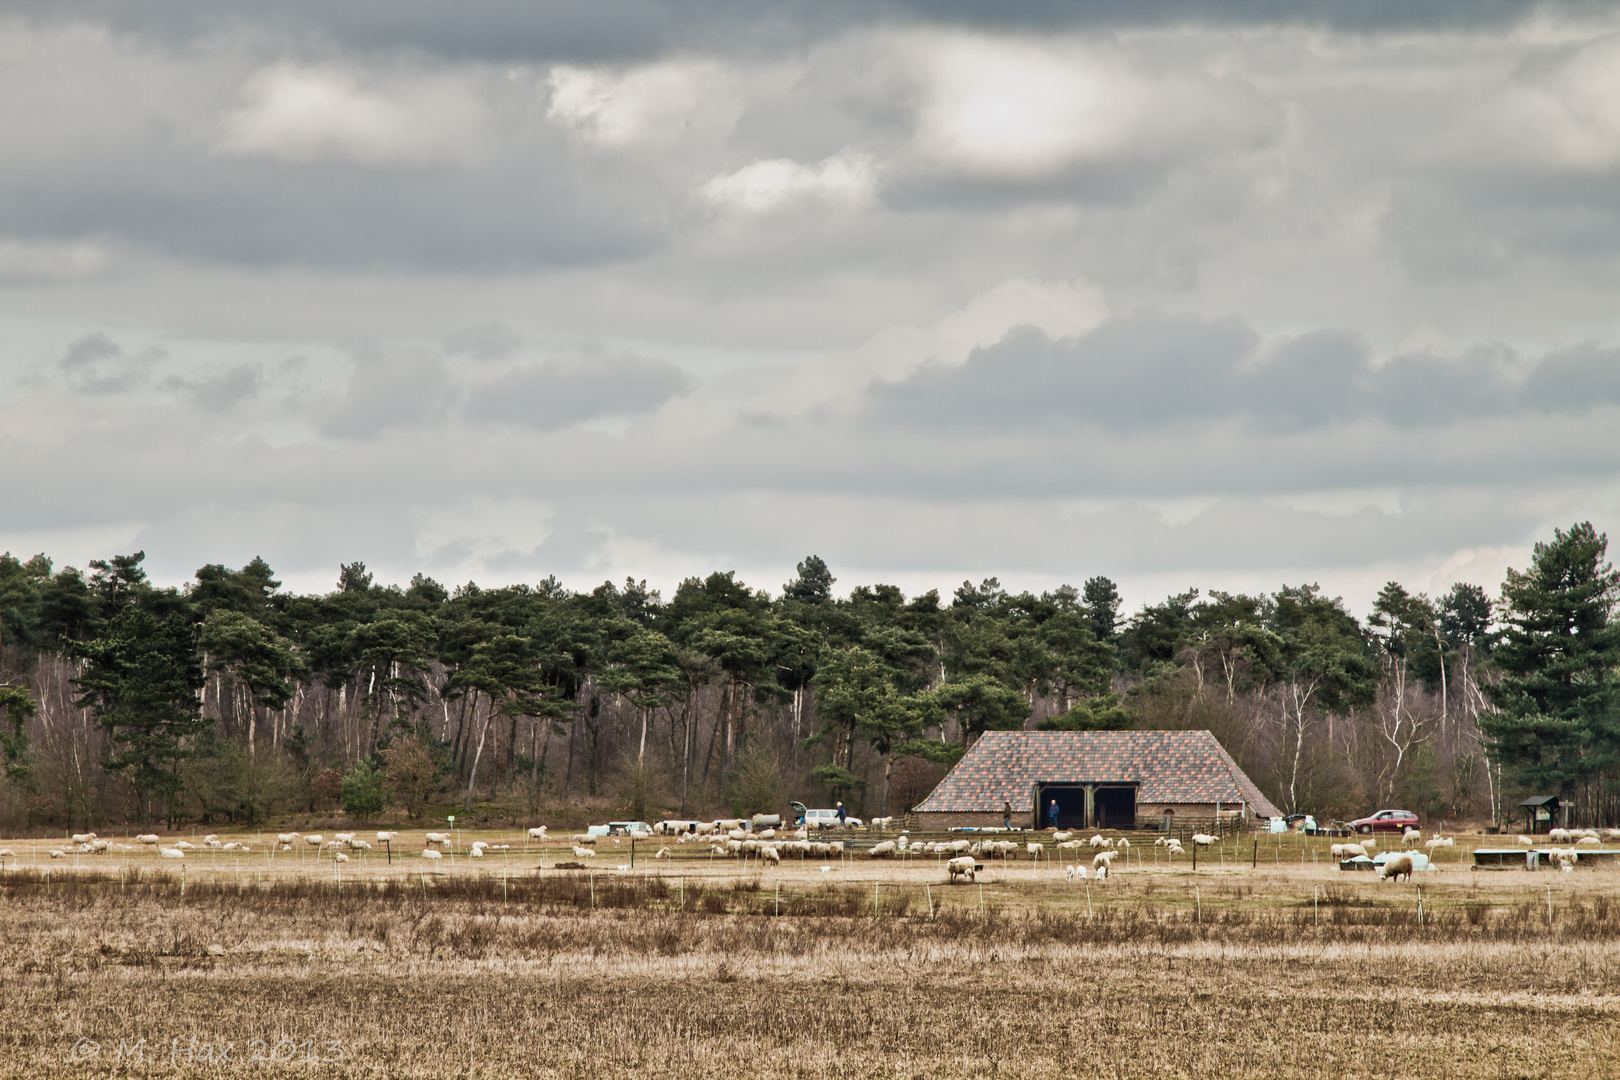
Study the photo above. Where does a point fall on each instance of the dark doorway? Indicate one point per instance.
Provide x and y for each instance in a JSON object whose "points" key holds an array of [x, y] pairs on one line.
{"points": [[1071, 800], [1115, 807]]}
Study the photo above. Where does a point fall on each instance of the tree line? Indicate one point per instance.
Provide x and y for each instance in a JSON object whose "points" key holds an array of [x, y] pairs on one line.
{"points": [[232, 700]]}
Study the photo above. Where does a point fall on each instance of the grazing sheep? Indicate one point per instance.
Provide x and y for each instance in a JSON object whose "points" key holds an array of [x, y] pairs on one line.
{"points": [[1033, 849], [440, 838], [475, 843], [345, 837], [737, 834], [7, 853], [1074, 873], [149, 839], [214, 844], [770, 855], [287, 838], [1098, 841], [331, 845], [962, 867], [539, 832], [768, 834], [1567, 858], [1203, 839], [210, 838], [883, 850], [584, 840], [1072, 845], [340, 857], [99, 845], [1123, 844], [1611, 834], [171, 853], [1526, 841], [83, 837], [1352, 851], [1062, 834], [1439, 842], [431, 853], [584, 852], [1558, 835], [475, 853], [1102, 875], [314, 840], [1588, 841], [384, 836], [663, 853], [1102, 859], [233, 846], [1411, 837], [58, 853], [960, 846], [1174, 847], [882, 823], [1396, 867], [185, 845]]}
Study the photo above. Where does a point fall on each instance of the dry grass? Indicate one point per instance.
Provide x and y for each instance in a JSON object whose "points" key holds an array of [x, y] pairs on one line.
{"points": [[498, 971]]}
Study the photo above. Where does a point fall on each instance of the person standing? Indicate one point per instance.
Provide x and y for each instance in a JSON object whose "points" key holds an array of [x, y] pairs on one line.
{"points": [[1006, 815], [843, 816], [1052, 813]]}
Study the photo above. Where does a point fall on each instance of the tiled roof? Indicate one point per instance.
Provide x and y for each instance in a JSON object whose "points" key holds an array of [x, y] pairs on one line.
{"points": [[1167, 766]]}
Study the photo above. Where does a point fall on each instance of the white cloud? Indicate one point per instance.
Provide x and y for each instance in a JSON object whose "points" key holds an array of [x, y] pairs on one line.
{"points": [[653, 104], [304, 113], [32, 261], [841, 180]]}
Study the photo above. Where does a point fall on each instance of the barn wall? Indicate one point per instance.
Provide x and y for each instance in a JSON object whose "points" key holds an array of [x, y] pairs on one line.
{"points": [[927, 822]]}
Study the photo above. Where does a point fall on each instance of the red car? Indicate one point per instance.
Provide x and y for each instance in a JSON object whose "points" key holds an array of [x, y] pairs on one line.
{"points": [[1386, 821]]}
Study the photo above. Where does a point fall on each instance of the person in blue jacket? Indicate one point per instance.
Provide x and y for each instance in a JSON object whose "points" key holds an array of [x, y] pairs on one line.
{"points": [[843, 816], [1052, 814]]}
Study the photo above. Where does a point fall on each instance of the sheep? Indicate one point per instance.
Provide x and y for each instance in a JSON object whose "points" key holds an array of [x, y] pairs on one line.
{"points": [[1174, 848], [331, 845], [584, 840], [214, 844], [1439, 842], [440, 838], [7, 853], [883, 850], [768, 834], [1034, 849], [234, 846], [962, 867], [431, 853], [500, 847], [286, 847], [1102, 858], [344, 837], [1062, 834], [185, 845], [1340, 851], [1074, 873], [210, 838], [1397, 867], [384, 836], [1204, 839], [1567, 858], [1588, 841], [1611, 834], [1098, 841], [584, 852], [340, 857], [882, 823], [1411, 837], [737, 834], [663, 853], [149, 839], [359, 845], [99, 845], [475, 843], [1526, 841], [475, 853], [83, 837], [314, 840], [171, 853], [1352, 851], [1370, 845], [58, 853], [960, 846], [1102, 875], [1556, 835], [1123, 844], [287, 838], [1072, 845], [539, 832], [770, 855]]}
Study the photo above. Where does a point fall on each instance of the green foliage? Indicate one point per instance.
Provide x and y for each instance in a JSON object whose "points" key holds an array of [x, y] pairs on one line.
{"points": [[1558, 723], [841, 783], [980, 703], [1102, 713], [755, 785], [364, 794], [16, 706], [813, 584]]}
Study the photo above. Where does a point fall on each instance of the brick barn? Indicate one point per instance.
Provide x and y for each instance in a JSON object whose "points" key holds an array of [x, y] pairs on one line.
{"points": [[1100, 779]]}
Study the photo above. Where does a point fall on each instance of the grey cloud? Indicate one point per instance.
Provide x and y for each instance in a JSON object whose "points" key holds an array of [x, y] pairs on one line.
{"points": [[490, 341], [222, 390], [1152, 371], [95, 364], [87, 350], [560, 393], [391, 391]]}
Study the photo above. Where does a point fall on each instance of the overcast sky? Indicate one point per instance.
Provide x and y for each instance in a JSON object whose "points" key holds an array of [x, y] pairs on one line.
{"points": [[1242, 295]]}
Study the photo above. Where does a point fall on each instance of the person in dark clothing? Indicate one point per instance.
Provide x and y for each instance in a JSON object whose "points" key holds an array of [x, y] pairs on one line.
{"points": [[1052, 814], [1006, 814], [843, 815]]}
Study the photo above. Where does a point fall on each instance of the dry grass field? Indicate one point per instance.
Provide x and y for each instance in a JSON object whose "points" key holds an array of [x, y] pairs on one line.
{"points": [[683, 966]]}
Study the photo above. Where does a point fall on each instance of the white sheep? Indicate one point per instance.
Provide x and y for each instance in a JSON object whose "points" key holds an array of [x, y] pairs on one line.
{"points": [[233, 846], [171, 853], [340, 857], [149, 839], [475, 843], [184, 845], [663, 853], [1061, 835], [770, 855], [583, 852], [1203, 839], [584, 840], [7, 853], [962, 867], [431, 853], [1174, 847], [83, 837], [1557, 835], [1123, 844], [214, 844], [58, 853], [1102, 859], [1439, 842], [1034, 849], [1411, 837], [314, 840], [1527, 841], [475, 853], [210, 838], [99, 845], [344, 837], [1588, 841], [1611, 834], [1396, 867], [287, 838], [1074, 873], [1102, 875], [883, 850], [359, 845], [1352, 851], [1098, 841], [385, 836], [331, 845], [440, 838], [500, 847]]}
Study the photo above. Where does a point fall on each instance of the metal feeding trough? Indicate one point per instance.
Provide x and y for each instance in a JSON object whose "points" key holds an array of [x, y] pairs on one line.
{"points": [[1420, 861]]}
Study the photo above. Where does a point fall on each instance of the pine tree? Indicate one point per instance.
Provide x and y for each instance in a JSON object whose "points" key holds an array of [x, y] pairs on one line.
{"points": [[1560, 647]]}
